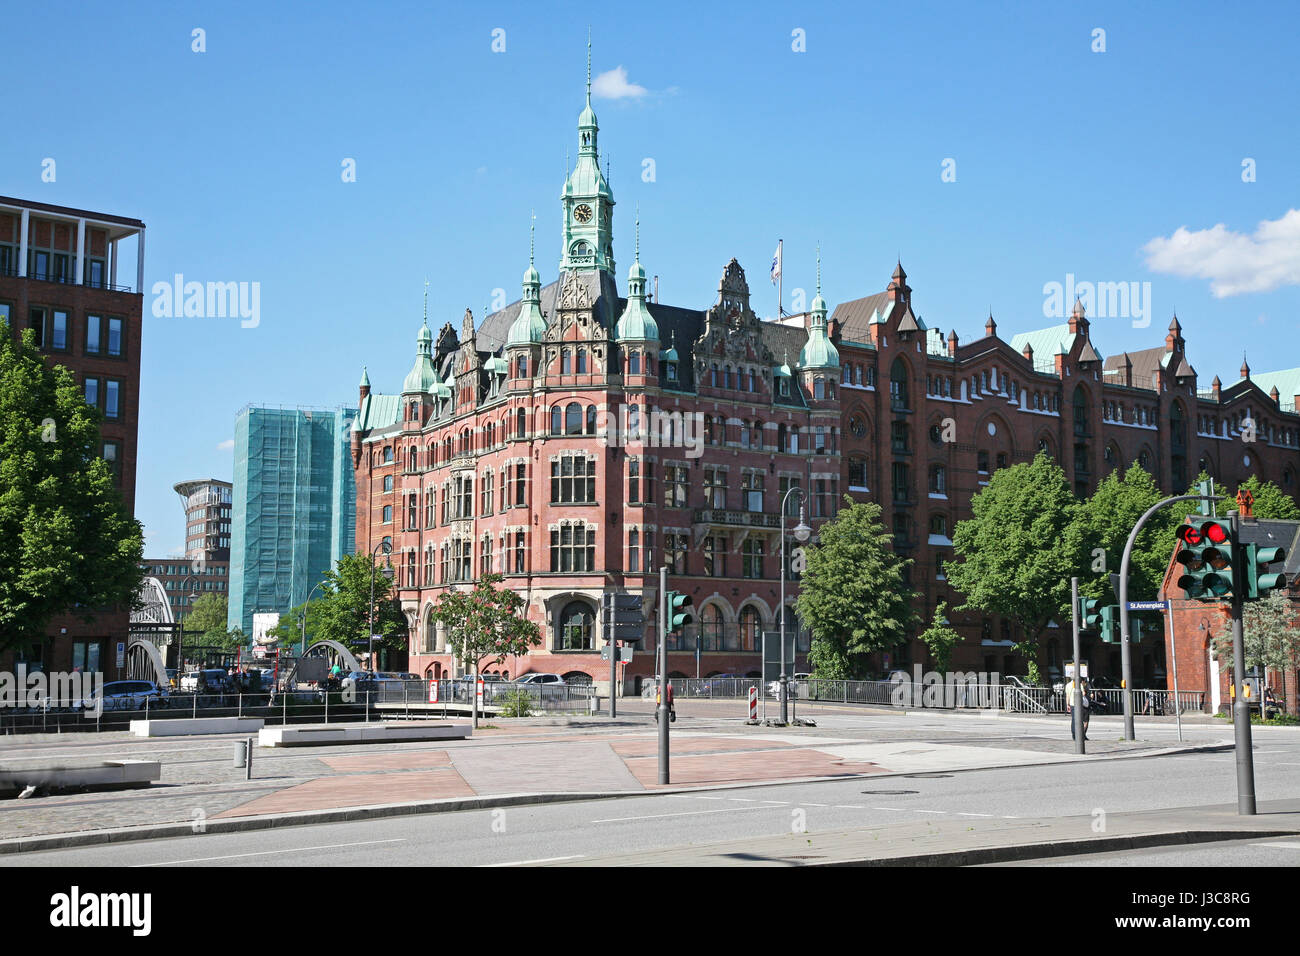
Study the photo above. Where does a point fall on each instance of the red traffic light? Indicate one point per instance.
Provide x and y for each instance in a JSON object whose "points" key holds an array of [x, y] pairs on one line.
{"points": [[1216, 533], [1190, 535]]}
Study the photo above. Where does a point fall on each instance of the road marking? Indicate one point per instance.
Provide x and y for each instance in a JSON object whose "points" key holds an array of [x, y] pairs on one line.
{"points": [[974, 814], [688, 813], [743, 799], [1288, 846], [545, 859], [779, 803], [847, 806], [814, 804], [236, 856]]}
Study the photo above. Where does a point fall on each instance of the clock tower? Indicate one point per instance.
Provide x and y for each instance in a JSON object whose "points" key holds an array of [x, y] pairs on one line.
{"points": [[588, 201]]}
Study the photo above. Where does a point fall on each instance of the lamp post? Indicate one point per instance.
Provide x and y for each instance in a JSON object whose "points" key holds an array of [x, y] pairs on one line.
{"points": [[180, 647], [302, 647], [801, 533], [387, 548]]}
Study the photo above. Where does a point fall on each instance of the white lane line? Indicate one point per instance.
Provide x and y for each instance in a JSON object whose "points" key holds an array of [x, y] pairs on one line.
{"points": [[545, 859], [930, 811], [713, 798], [896, 809], [1288, 846], [974, 814], [301, 849], [688, 813], [814, 804], [847, 806], [743, 799], [779, 803]]}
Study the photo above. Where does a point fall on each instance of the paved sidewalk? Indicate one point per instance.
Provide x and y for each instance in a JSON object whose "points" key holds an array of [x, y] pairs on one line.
{"points": [[592, 756], [968, 843]]}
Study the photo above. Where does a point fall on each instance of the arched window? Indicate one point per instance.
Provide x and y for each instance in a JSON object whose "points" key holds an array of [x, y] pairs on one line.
{"points": [[521, 367], [898, 384], [591, 419], [939, 524], [634, 421], [557, 420], [713, 375], [938, 480], [634, 363], [574, 630], [573, 419], [819, 387], [750, 628], [727, 380], [711, 628]]}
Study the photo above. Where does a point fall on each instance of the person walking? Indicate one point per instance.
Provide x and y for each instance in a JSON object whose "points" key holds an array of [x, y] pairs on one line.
{"points": [[1086, 704]]}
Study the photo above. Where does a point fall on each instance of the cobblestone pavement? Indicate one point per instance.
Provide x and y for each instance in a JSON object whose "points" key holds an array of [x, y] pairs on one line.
{"points": [[200, 782]]}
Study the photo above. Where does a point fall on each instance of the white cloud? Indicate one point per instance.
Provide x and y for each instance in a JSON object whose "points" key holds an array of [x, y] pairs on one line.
{"points": [[613, 85], [227, 445], [1235, 263]]}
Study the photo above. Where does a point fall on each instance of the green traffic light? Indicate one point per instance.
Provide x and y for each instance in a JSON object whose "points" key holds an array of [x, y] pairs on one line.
{"points": [[679, 611], [1256, 559]]}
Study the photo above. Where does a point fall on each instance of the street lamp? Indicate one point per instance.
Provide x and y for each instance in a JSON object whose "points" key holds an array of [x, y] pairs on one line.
{"points": [[387, 547], [302, 647], [801, 533], [180, 647]]}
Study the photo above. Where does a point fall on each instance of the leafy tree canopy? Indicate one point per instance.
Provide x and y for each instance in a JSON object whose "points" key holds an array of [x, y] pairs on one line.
{"points": [[486, 625], [852, 594], [67, 541]]}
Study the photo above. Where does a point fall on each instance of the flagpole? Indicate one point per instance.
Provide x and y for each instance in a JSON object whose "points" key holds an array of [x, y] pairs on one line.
{"points": [[780, 276]]}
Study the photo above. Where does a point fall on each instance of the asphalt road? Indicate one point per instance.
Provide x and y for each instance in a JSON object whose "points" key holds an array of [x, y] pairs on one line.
{"points": [[1281, 851], [590, 829]]}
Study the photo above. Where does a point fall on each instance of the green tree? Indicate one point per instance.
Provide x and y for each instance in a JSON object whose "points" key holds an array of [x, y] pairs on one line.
{"points": [[1100, 528], [1269, 632], [68, 543], [852, 594], [486, 625], [205, 624], [1015, 560], [1271, 502], [940, 637], [341, 609]]}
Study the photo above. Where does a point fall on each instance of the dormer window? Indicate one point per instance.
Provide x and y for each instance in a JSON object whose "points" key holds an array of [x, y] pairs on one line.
{"points": [[670, 371], [784, 388], [819, 388], [634, 363], [522, 368]]}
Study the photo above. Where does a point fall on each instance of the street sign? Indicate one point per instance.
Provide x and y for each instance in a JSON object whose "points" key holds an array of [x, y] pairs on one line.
{"points": [[1148, 605], [624, 654], [433, 691], [121, 654], [1069, 670]]}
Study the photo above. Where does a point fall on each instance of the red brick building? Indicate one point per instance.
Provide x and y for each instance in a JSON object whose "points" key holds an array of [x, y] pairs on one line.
{"points": [[506, 448], [59, 278]]}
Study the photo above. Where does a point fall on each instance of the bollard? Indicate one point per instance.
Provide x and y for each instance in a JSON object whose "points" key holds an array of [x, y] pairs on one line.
{"points": [[248, 763], [241, 753]]}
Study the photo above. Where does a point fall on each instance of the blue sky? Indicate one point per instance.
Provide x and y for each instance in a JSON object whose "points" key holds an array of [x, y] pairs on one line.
{"points": [[1067, 161]]}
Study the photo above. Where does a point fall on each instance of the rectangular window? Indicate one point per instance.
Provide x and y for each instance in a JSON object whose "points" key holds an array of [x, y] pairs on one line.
{"points": [[715, 557], [519, 552], [112, 455], [487, 493], [94, 324], [115, 337], [519, 485], [751, 485], [792, 503], [715, 488], [675, 484], [36, 322], [751, 562], [573, 549], [675, 553], [573, 480], [59, 331], [902, 484], [95, 273], [388, 514], [634, 482], [112, 399], [92, 392]]}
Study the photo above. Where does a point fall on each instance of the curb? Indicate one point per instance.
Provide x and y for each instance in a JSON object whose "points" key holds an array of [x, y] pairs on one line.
{"points": [[1031, 852], [62, 841]]}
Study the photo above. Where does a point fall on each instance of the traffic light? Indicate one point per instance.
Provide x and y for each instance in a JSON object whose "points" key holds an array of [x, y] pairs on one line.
{"points": [[1206, 553], [1255, 560], [680, 612], [1110, 624], [1090, 618]]}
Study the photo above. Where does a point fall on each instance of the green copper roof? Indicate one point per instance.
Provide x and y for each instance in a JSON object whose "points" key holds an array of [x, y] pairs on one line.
{"points": [[636, 323], [1045, 342], [378, 411], [422, 376], [1287, 382], [818, 351], [365, 378], [529, 326]]}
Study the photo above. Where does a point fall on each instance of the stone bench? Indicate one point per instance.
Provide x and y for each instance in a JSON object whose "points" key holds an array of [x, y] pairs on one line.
{"points": [[108, 775], [186, 726], [305, 734]]}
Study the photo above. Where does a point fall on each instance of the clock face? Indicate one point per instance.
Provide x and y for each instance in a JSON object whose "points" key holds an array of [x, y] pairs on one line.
{"points": [[582, 214]]}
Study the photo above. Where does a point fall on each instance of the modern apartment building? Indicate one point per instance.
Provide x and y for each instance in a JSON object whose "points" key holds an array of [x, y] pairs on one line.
{"points": [[60, 277]]}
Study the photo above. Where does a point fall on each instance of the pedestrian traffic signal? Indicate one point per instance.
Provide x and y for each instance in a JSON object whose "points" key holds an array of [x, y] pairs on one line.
{"points": [[1206, 551], [1256, 559], [1090, 617], [1109, 626], [680, 612]]}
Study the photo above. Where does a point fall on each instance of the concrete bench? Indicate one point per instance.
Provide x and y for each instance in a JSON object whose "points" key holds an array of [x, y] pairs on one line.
{"points": [[301, 734], [186, 726], [109, 774]]}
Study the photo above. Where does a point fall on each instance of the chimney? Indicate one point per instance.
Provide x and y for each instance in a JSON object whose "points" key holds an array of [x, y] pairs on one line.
{"points": [[952, 344]]}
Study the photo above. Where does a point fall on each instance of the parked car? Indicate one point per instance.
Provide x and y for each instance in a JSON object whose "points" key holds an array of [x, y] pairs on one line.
{"points": [[125, 695], [541, 679], [210, 680]]}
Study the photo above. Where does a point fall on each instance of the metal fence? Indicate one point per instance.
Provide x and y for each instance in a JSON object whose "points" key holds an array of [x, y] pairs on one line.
{"points": [[1013, 698]]}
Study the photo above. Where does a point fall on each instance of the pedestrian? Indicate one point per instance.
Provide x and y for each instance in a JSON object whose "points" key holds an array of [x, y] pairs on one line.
{"points": [[1085, 705]]}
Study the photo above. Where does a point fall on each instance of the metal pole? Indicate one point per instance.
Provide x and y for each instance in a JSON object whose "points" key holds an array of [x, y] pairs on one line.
{"points": [[1173, 654], [780, 612], [662, 710], [1076, 705], [1241, 706], [1123, 606], [613, 678]]}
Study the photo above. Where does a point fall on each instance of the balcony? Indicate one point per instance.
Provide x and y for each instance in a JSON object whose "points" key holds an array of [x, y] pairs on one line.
{"points": [[738, 519]]}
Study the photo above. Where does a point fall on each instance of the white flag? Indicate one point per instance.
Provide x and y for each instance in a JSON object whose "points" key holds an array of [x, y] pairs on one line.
{"points": [[776, 264]]}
